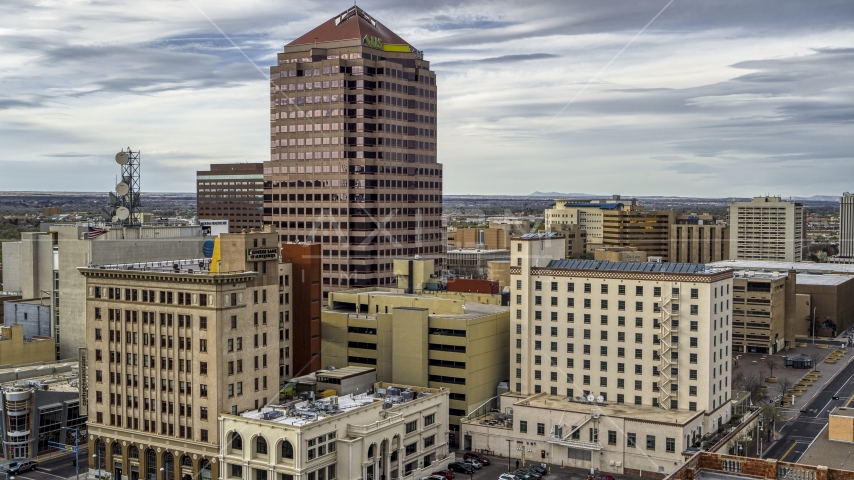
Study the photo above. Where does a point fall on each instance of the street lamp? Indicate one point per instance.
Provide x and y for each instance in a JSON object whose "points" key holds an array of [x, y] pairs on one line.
{"points": [[166, 471], [813, 325], [98, 456], [76, 453]]}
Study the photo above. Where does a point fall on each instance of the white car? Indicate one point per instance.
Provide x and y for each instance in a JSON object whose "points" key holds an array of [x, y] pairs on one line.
{"points": [[474, 463]]}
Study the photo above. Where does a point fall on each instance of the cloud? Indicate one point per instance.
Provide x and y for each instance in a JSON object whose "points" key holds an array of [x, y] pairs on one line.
{"points": [[499, 60], [715, 98]]}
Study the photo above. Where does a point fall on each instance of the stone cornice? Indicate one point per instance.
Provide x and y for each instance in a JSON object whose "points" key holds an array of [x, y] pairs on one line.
{"points": [[617, 275], [157, 276]]}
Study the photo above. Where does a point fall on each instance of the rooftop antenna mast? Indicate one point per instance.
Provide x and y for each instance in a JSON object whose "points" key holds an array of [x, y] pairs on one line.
{"points": [[125, 201]]}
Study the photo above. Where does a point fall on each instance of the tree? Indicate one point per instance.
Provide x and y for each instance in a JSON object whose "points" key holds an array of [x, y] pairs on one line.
{"points": [[816, 358], [784, 384], [752, 384], [771, 364], [771, 414]]}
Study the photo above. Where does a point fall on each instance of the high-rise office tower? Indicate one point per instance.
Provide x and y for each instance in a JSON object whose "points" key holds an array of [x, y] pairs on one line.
{"points": [[233, 192], [353, 150], [846, 225]]}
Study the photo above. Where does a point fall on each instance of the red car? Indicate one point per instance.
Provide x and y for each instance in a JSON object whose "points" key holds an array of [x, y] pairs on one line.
{"points": [[476, 456], [444, 473]]}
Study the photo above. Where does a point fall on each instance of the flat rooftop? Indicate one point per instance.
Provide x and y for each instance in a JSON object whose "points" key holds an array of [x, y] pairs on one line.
{"points": [[843, 412], [829, 279], [472, 309], [562, 404], [56, 375], [654, 267], [800, 267], [479, 250], [312, 409]]}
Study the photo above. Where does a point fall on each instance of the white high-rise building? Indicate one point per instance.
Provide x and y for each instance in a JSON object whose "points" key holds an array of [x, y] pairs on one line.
{"points": [[767, 228], [846, 225]]}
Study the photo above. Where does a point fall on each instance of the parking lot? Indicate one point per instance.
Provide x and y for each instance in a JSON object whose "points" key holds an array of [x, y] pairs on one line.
{"points": [[499, 465]]}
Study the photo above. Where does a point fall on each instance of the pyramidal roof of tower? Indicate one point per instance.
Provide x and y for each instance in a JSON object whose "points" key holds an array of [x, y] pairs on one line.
{"points": [[354, 23]]}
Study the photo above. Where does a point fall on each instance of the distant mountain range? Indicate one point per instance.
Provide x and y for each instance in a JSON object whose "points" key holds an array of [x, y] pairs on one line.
{"points": [[814, 198], [563, 195]]}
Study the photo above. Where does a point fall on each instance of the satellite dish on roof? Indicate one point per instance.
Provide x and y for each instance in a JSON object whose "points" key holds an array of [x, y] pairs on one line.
{"points": [[122, 189], [590, 398], [115, 219], [122, 158], [122, 213], [600, 399]]}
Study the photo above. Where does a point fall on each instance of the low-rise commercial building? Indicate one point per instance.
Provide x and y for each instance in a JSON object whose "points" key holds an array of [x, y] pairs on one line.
{"points": [[642, 441], [809, 291], [473, 262], [395, 431], [420, 339], [37, 402], [18, 349]]}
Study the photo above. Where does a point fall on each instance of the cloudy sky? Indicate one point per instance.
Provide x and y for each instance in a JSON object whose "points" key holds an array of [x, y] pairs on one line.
{"points": [[641, 97]]}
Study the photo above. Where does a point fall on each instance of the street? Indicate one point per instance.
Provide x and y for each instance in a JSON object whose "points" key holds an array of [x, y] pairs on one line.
{"points": [[56, 467], [799, 433]]}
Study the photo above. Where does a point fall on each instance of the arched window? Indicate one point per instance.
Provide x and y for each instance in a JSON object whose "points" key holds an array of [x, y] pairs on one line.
{"points": [[261, 446], [186, 461], [133, 452], [116, 449], [205, 470], [287, 449], [150, 464], [236, 441], [169, 466], [102, 454], [371, 450]]}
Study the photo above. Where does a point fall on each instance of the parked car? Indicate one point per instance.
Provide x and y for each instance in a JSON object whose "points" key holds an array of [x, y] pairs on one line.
{"points": [[603, 476], [480, 458], [508, 476], [525, 475], [461, 467], [444, 473], [531, 471], [434, 477], [474, 463], [22, 466], [540, 467]]}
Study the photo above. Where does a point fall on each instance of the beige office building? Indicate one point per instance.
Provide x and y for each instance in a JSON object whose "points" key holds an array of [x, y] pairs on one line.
{"points": [[420, 340], [767, 228], [379, 435], [646, 334], [587, 213], [485, 238], [353, 162], [576, 239], [44, 264], [17, 350], [171, 346], [698, 240], [232, 192], [647, 231]]}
